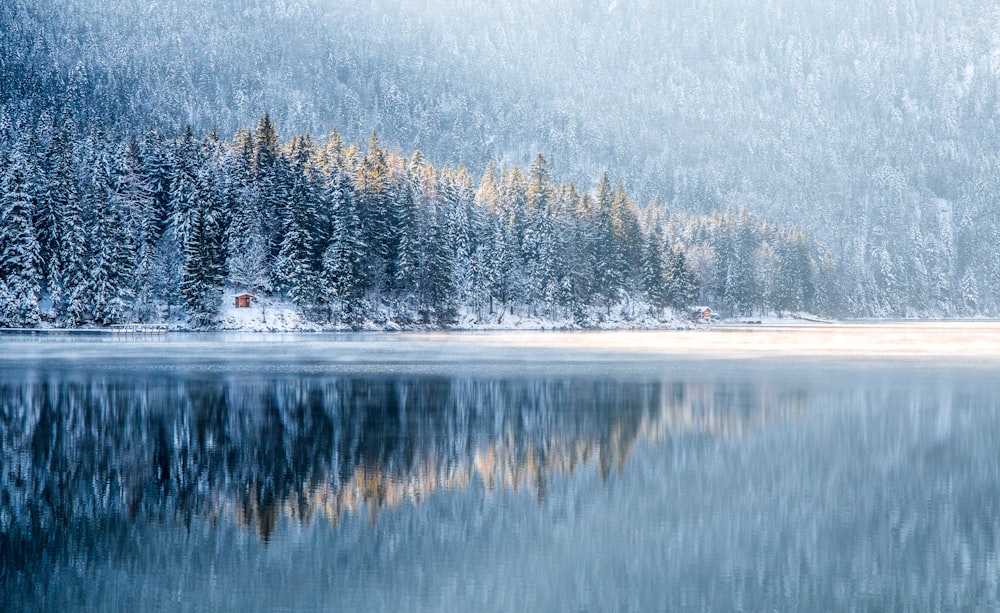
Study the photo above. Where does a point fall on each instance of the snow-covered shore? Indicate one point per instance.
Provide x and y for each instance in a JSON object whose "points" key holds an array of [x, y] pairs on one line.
{"points": [[276, 315]]}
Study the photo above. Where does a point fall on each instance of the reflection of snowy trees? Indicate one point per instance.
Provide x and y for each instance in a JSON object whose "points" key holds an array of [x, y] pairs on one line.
{"points": [[113, 449]]}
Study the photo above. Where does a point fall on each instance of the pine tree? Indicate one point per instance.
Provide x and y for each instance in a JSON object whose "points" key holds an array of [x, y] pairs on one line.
{"points": [[343, 274], [374, 192], [139, 208], [184, 186], [271, 179], [654, 274], [682, 287], [19, 249], [796, 289], [970, 293], [46, 197], [203, 265], [298, 262], [540, 185], [247, 253], [488, 193], [503, 271], [109, 287], [627, 235], [436, 289], [766, 271], [157, 157], [60, 201], [409, 244], [200, 282], [607, 255], [457, 201]]}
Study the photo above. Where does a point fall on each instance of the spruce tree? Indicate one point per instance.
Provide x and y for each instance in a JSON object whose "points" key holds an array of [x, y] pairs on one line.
{"points": [[606, 252], [200, 282], [682, 287], [654, 277], [65, 267], [247, 252], [374, 192], [298, 262], [136, 197], [110, 280], [343, 274], [19, 249]]}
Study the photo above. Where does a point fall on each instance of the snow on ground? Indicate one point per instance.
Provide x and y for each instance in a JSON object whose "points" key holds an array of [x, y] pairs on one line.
{"points": [[265, 315], [272, 314], [277, 315]]}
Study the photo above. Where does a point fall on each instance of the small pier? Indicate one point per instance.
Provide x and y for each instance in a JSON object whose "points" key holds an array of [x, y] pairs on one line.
{"points": [[123, 330], [139, 329]]}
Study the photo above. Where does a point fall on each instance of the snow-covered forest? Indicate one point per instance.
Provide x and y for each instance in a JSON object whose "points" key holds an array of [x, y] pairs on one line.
{"points": [[785, 156], [102, 232]]}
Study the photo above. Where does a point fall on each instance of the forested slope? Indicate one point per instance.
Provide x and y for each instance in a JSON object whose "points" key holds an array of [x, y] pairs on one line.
{"points": [[870, 124], [98, 231]]}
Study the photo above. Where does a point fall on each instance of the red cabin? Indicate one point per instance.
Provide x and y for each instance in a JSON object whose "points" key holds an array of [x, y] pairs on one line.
{"points": [[243, 301]]}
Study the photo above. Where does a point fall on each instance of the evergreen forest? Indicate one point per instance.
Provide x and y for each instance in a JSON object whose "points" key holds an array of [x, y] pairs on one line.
{"points": [[152, 229], [775, 157]]}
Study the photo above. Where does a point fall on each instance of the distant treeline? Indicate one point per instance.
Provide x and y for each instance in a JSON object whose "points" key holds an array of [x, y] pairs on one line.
{"points": [[101, 230]]}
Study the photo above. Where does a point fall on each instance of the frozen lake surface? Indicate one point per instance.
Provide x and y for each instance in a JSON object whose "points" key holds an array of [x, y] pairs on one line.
{"points": [[737, 468]]}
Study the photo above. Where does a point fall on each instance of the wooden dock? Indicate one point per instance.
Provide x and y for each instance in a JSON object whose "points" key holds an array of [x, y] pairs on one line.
{"points": [[125, 330]]}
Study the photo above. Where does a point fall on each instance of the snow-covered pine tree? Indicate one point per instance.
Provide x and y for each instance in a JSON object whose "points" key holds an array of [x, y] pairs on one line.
{"points": [[408, 249], [45, 214], [607, 256], [157, 161], [538, 237], [970, 293], [502, 272], [138, 206], [436, 291], [247, 254], [343, 274], [796, 289], [628, 236], [270, 178], [109, 287], [201, 281], [19, 249], [682, 286], [375, 195], [458, 197], [654, 274], [59, 214], [766, 271], [184, 185], [203, 263], [297, 264]]}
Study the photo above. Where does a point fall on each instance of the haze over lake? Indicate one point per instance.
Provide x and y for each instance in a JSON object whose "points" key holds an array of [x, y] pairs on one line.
{"points": [[754, 468]]}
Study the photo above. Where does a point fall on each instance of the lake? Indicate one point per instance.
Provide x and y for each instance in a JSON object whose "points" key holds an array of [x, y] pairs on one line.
{"points": [[737, 468]]}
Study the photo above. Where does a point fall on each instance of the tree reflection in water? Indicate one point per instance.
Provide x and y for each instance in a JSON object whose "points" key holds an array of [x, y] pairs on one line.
{"points": [[81, 456], [772, 489]]}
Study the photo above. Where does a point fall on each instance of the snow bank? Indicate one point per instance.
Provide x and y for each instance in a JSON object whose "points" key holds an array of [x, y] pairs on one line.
{"points": [[277, 315]]}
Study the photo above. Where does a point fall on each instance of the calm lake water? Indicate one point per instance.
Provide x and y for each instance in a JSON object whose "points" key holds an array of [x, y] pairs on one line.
{"points": [[723, 470]]}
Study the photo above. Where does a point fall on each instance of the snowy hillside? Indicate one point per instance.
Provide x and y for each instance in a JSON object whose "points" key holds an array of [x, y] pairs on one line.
{"points": [[870, 125]]}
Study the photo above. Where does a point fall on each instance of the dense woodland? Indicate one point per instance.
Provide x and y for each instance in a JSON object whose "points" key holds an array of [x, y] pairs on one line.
{"points": [[872, 125], [102, 232]]}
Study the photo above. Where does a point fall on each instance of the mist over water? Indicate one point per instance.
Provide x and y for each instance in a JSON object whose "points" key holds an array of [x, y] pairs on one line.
{"points": [[252, 475]]}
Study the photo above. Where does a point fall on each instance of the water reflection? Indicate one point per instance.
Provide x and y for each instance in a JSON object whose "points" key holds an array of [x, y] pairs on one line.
{"points": [[862, 489], [101, 448]]}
